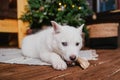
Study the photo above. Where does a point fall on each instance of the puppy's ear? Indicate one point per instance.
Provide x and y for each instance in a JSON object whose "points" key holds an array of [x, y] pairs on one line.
{"points": [[56, 26], [81, 28]]}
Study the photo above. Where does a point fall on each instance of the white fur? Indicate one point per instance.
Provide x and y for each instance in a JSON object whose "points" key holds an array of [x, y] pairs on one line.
{"points": [[47, 45]]}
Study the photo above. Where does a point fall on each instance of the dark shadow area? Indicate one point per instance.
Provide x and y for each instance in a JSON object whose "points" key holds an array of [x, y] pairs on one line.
{"points": [[8, 9]]}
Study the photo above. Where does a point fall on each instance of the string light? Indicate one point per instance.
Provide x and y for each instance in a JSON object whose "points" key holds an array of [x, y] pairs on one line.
{"points": [[79, 7], [59, 9], [73, 6], [60, 3]]}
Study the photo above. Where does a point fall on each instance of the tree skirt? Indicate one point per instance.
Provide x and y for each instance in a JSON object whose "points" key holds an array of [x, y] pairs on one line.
{"points": [[14, 56]]}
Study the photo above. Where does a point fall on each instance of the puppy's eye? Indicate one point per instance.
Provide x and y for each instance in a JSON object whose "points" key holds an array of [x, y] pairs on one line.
{"points": [[64, 43], [77, 44]]}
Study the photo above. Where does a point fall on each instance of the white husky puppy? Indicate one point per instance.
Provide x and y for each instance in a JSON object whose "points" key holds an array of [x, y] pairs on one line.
{"points": [[54, 45]]}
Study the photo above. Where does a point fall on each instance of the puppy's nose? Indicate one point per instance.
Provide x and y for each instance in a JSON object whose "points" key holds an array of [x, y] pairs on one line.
{"points": [[72, 57]]}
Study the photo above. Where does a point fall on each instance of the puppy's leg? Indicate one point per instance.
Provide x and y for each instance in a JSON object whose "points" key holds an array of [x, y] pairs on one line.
{"points": [[54, 59]]}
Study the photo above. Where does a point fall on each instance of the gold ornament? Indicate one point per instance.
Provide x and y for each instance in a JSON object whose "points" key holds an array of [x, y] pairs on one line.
{"points": [[64, 5]]}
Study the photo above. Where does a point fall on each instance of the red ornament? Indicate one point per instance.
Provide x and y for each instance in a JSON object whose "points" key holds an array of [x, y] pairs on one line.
{"points": [[29, 31]]}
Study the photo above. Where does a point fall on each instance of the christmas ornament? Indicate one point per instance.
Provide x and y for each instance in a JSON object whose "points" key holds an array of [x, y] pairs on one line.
{"points": [[41, 8], [29, 31], [61, 8], [64, 5], [94, 16], [41, 12]]}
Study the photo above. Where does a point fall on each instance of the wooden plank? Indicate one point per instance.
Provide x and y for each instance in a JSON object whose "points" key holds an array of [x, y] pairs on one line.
{"points": [[103, 30], [9, 25], [106, 68], [22, 26], [16, 26]]}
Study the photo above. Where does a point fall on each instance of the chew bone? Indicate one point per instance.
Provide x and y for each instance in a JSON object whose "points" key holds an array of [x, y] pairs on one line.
{"points": [[83, 63]]}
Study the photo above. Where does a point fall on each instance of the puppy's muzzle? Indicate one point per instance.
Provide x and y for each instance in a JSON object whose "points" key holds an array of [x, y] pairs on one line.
{"points": [[72, 57]]}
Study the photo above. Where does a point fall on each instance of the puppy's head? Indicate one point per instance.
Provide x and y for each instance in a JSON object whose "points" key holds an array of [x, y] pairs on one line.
{"points": [[67, 41]]}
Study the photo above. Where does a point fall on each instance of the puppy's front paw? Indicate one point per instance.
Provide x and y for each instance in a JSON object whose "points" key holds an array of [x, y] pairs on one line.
{"points": [[59, 65]]}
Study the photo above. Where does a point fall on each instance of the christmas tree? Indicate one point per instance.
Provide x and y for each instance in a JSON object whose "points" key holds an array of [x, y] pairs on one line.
{"points": [[70, 12]]}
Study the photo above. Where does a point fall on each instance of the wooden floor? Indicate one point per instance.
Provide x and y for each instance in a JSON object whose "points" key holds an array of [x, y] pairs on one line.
{"points": [[106, 68]]}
